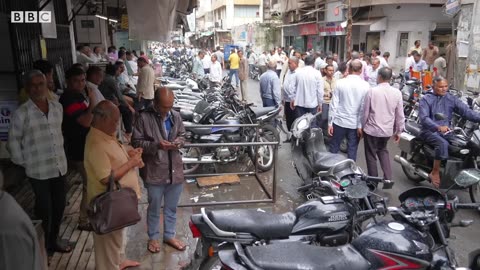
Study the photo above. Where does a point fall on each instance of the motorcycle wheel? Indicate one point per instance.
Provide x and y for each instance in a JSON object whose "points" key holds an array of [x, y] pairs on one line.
{"points": [[193, 152], [475, 193], [410, 174], [266, 153]]}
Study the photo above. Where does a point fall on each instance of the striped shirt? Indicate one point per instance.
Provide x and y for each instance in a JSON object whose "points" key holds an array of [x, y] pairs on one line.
{"points": [[35, 140]]}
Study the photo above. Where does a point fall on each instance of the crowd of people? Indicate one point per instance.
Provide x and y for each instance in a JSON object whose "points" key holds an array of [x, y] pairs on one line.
{"points": [[107, 123], [81, 124]]}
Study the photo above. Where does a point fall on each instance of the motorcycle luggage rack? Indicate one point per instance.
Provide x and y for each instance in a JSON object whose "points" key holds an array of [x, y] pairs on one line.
{"points": [[271, 197]]}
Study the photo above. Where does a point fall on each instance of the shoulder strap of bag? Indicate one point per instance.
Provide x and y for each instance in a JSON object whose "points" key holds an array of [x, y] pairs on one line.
{"points": [[112, 183]]}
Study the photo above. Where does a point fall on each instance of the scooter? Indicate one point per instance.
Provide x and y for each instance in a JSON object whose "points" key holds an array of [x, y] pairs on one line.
{"points": [[416, 238], [417, 157], [327, 221]]}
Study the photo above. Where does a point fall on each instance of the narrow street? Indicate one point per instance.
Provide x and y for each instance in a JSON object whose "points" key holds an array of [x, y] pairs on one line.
{"points": [[464, 240]]}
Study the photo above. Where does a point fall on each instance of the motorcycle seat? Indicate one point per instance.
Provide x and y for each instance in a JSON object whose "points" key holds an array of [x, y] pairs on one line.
{"points": [[262, 225], [322, 161], [414, 128], [198, 131], [261, 111], [296, 255]]}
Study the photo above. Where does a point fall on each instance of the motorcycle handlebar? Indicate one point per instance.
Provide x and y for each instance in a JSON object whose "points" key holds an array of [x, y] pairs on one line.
{"points": [[373, 178], [305, 187], [368, 212], [475, 206]]}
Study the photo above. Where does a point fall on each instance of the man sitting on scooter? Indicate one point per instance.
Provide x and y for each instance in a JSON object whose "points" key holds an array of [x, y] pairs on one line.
{"points": [[434, 130]]}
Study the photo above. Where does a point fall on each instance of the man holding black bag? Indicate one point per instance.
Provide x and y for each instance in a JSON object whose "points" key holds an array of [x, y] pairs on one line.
{"points": [[105, 158]]}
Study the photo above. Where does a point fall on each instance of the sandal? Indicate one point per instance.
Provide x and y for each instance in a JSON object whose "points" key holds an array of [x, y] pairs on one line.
{"points": [[176, 244], [63, 246], [153, 246]]}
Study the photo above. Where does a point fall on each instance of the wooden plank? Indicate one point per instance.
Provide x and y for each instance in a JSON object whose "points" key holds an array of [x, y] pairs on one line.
{"points": [[57, 256], [91, 262], [64, 261], [86, 253], [218, 180], [77, 251]]}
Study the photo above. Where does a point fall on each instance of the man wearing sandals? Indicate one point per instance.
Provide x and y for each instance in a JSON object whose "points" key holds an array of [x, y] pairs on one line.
{"points": [[160, 132], [105, 156], [35, 142]]}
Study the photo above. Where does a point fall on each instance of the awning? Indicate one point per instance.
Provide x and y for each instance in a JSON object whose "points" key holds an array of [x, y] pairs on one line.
{"points": [[206, 34], [376, 24], [154, 19]]}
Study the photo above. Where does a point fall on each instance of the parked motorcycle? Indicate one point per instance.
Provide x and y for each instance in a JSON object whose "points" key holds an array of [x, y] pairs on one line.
{"points": [[255, 73], [417, 157], [327, 221], [415, 239], [310, 156]]}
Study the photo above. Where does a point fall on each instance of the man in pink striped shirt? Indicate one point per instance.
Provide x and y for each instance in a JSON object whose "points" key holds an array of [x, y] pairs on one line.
{"points": [[383, 118]]}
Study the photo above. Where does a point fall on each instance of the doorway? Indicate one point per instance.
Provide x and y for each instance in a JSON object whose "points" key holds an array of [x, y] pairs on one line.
{"points": [[373, 41]]}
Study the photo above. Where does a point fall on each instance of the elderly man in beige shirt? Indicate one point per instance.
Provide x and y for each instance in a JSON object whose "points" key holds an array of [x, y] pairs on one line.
{"points": [[145, 84], [105, 157], [243, 75]]}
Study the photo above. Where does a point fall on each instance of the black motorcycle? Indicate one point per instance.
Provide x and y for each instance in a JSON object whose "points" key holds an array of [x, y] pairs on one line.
{"points": [[309, 153], [417, 157], [327, 221], [416, 238]]}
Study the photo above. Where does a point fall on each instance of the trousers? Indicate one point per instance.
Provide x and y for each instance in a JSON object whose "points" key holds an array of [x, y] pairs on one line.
{"points": [[268, 102], [231, 73], [243, 89], [127, 118], [50, 200], [109, 250], [290, 115], [83, 218], [170, 193], [377, 147], [439, 143], [339, 133]]}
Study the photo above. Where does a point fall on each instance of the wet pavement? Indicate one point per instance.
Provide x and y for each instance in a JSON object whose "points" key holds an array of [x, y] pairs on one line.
{"points": [[463, 241]]}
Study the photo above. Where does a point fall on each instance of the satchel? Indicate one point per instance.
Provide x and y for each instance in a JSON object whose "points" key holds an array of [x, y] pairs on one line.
{"points": [[114, 209]]}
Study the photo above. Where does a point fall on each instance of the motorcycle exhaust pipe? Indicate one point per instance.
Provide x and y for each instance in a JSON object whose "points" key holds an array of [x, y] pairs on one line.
{"points": [[205, 160], [410, 166]]}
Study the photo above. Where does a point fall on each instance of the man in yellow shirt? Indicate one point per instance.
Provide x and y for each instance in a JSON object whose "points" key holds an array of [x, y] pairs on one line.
{"points": [[105, 156], [234, 66]]}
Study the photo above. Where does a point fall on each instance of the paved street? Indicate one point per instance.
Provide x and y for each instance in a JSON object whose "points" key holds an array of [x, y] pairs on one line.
{"points": [[463, 241]]}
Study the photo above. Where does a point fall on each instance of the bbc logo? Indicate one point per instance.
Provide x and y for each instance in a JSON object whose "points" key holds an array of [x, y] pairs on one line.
{"points": [[31, 17]]}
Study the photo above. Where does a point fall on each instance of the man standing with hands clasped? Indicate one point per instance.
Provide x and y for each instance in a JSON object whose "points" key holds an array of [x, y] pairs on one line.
{"points": [[382, 118], [346, 110], [160, 132]]}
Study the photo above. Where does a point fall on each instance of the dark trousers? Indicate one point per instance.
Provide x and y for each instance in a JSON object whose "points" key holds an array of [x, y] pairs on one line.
{"points": [[290, 115], [279, 71], [324, 120], [142, 104], [299, 111], [50, 200], [339, 133], [206, 70], [377, 147], [439, 142], [127, 118], [268, 102]]}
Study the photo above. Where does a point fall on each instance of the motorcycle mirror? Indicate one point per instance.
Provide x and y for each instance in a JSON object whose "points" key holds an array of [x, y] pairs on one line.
{"points": [[467, 178], [358, 191], [439, 116]]}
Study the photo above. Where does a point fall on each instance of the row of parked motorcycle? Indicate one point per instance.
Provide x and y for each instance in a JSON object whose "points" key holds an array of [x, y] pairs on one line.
{"points": [[213, 114], [342, 225]]}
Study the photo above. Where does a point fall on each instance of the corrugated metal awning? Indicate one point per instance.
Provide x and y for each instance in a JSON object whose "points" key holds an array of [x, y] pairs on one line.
{"points": [[376, 24]]}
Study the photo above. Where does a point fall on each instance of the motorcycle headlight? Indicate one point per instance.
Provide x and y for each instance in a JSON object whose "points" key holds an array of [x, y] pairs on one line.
{"points": [[300, 125], [196, 117]]}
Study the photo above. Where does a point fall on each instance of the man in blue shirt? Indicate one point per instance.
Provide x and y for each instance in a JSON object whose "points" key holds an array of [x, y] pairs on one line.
{"points": [[270, 86], [198, 65], [435, 131]]}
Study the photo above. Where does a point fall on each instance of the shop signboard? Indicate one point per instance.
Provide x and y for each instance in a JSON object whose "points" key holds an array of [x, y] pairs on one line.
{"points": [[6, 111], [308, 29], [331, 29]]}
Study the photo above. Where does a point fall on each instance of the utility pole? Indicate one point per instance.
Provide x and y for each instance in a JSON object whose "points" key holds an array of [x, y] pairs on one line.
{"points": [[349, 29]]}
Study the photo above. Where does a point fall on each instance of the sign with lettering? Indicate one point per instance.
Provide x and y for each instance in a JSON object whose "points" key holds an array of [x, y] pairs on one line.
{"points": [[6, 110], [308, 29], [331, 29]]}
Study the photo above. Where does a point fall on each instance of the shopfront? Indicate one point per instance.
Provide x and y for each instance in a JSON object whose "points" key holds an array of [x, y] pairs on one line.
{"points": [[333, 38], [290, 36], [310, 38]]}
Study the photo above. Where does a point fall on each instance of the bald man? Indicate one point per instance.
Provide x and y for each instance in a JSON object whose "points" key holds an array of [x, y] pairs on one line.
{"points": [[104, 157], [160, 132], [346, 110]]}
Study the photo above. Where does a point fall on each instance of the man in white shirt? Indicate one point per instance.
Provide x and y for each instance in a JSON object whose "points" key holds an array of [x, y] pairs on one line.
{"points": [[95, 76], [252, 60], [346, 110], [262, 62], [372, 72], [83, 56], [206, 61], [409, 62], [220, 55], [378, 54], [318, 61], [288, 90], [308, 89], [145, 85], [419, 64], [215, 70]]}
